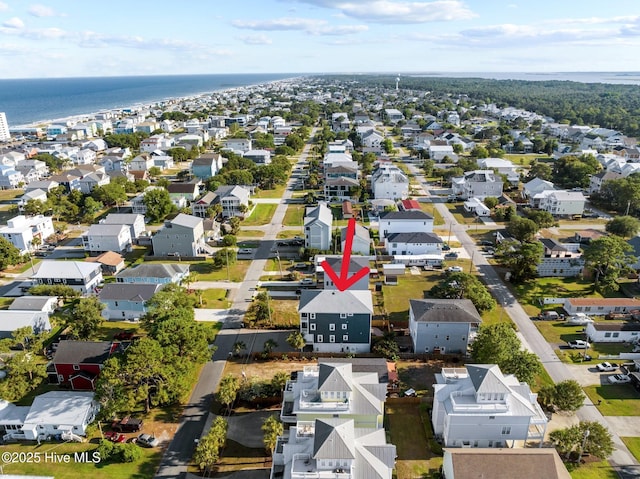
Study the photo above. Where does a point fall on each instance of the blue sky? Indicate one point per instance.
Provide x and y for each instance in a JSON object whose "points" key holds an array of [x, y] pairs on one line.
{"points": [[62, 38]]}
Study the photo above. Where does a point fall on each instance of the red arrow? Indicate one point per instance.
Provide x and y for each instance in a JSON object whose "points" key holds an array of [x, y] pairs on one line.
{"points": [[345, 281]]}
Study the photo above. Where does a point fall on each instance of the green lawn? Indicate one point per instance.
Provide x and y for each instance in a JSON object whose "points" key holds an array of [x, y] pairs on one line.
{"points": [[6, 195], [593, 470], [276, 192], [207, 271], [463, 217], [431, 209], [243, 233], [289, 233], [108, 329], [396, 298], [633, 443], [261, 215], [215, 298], [294, 215], [142, 469], [136, 255], [525, 159], [617, 399]]}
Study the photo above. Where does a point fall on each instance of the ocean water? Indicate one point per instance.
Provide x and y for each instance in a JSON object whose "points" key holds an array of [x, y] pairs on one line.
{"points": [[619, 78], [32, 100]]}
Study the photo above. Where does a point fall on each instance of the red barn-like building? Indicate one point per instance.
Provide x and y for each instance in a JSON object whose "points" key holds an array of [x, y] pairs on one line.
{"points": [[78, 363]]}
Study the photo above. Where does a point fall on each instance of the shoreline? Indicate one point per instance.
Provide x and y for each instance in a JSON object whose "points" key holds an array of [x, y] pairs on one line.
{"points": [[150, 103]]}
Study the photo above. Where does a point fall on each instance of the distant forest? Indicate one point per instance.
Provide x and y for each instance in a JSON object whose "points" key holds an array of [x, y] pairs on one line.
{"points": [[605, 105]]}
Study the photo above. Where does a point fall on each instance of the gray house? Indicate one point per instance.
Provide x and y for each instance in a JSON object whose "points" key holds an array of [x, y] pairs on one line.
{"points": [[335, 261], [10, 320], [126, 301], [154, 273], [361, 240], [479, 183], [318, 222], [442, 325], [336, 321], [135, 222], [182, 236]]}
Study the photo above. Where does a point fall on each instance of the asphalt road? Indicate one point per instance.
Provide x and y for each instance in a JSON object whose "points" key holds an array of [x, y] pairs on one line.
{"points": [[621, 460], [178, 453]]}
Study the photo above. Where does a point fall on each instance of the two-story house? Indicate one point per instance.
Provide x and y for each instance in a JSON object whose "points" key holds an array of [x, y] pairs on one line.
{"points": [[79, 275], [562, 202], [560, 259], [404, 222], [356, 263], [259, 157], [389, 182], [154, 273], [413, 244], [206, 166], [234, 200], [135, 222], [336, 321], [442, 325], [532, 190], [361, 243], [126, 301], [89, 182], [10, 178], [340, 189], [201, 207], [189, 190], [107, 237], [478, 183], [24, 232], [480, 407], [78, 363], [142, 162], [182, 236], [318, 222]]}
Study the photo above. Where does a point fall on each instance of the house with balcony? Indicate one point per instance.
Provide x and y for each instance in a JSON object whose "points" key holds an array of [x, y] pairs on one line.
{"points": [[206, 165], [10, 178], [372, 142], [32, 170], [259, 157], [135, 222], [238, 144], [79, 275], [340, 122], [356, 263], [404, 222], [24, 232], [445, 326], [336, 321], [478, 406], [335, 390], [413, 244], [153, 273], [343, 169], [332, 448], [89, 182], [126, 301], [341, 189], [182, 236], [234, 200], [142, 162], [189, 190], [560, 259], [318, 222], [200, 207], [389, 182], [562, 202], [478, 183], [106, 237]]}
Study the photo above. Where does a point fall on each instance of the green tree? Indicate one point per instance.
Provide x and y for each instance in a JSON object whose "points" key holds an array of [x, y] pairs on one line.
{"points": [[540, 170], [85, 318], [542, 218], [34, 207], [207, 453], [573, 171], [9, 254], [491, 202], [229, 240], [624, 226], [158, 204], [228, 390], [479, 152], [296, 340], [238, 347], [110, 194], [463, 285], [387, 347], [26, 372], [522, 259], [608, 258], [568, 396], [597, 440], [22, 336], [522, 229], [387, 146], [524, 365], [61, 290], [224, 256], [272, 429], [269, 345]]}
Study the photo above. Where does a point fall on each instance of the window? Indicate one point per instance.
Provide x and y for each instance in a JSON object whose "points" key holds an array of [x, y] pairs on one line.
{"points": [[319, 338], [76, 367], [312, 326], [344, 327], [607, 335], [345, 337], [332, 327], [304, 324], [304, 315], [343, 315], [506, 430], [615, 335], [312, 315], [332, 338]]}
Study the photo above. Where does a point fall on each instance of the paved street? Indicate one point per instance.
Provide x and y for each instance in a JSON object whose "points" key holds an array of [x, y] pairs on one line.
{"points": [[178, 453], [622, 460]]}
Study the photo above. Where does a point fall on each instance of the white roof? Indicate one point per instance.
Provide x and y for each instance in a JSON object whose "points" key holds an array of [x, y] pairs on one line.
{"points": [[63, 408], [65, 269]]}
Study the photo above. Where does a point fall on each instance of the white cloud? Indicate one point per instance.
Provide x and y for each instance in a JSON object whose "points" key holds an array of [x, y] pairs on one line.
{"points": [[3, 7], [13, 23], [256, 40], [398, 12], [311, 26], [39, 10]]}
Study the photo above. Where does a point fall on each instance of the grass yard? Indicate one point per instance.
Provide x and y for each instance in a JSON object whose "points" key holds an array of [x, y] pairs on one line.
{"points": [[276, 192], [431, 209], [108, 329], [463, 217], [6, 195], [250, 233], [633, 443], [285, 313], [496, 315], [207, 271], [593, 470], [294, 215], [261, 215], [142, 469], [525, 159], [5, 302], [396, 298], [284, 234], [559, 332], [215, 298], [617, 399], [136, 256], [407, 432]]}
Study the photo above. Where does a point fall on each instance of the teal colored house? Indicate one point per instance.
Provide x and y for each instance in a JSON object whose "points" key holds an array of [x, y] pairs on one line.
{"points": [[126, 301], [206, 166]]}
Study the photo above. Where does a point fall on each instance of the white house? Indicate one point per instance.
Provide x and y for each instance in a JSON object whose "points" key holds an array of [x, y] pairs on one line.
{"points": [[502, 167], [142, 162], [480, 183], [22, 231], [412, 244], [238, 144], [372, 142], [389, 182], [476, 206], [361, 240], [404, 222], [480, 407], [10, 320], [79, 275], [259, 157], [318, 222], [601, 306], [135, 222], [562, 202], [560, 259], [613, 332], [107, 237], [533, 188], [232, 199], [439, 152]]}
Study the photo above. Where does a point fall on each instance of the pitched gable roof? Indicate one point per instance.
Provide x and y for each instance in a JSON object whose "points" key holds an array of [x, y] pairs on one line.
{"points": [[334, 439], [334, 377], [487, 378], [444, 311], [82, 352]]}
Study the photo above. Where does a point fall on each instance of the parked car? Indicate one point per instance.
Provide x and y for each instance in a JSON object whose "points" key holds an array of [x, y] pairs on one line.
{"points": [[115, 436], [619, 378], [127, 424], [579, 319], [147, 440], [451, 255], [123, 336], [486, 243], [607, 366], [549, 315], [578, 344], [307, 281], [245, 251], [454, 269]]}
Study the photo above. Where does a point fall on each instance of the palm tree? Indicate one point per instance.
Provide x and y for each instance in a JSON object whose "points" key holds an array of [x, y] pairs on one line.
{"points": [[269, 345], [238, 347], [296, 340], [272, 428]]}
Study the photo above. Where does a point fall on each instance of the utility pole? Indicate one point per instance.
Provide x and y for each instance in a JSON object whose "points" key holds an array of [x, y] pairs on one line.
{"points": [[626, 213], [226, 250], [471, 265]]}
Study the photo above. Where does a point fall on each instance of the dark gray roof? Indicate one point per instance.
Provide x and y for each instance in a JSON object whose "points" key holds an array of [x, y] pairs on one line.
{"points": [[487, 378], [356, 263], [182, 187], [405, 215], [82, 352], [414, 238], [444, 311], [128, 291], [552, 245], [154, 270], [334, 377], [364, 365], [334, 439]]}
